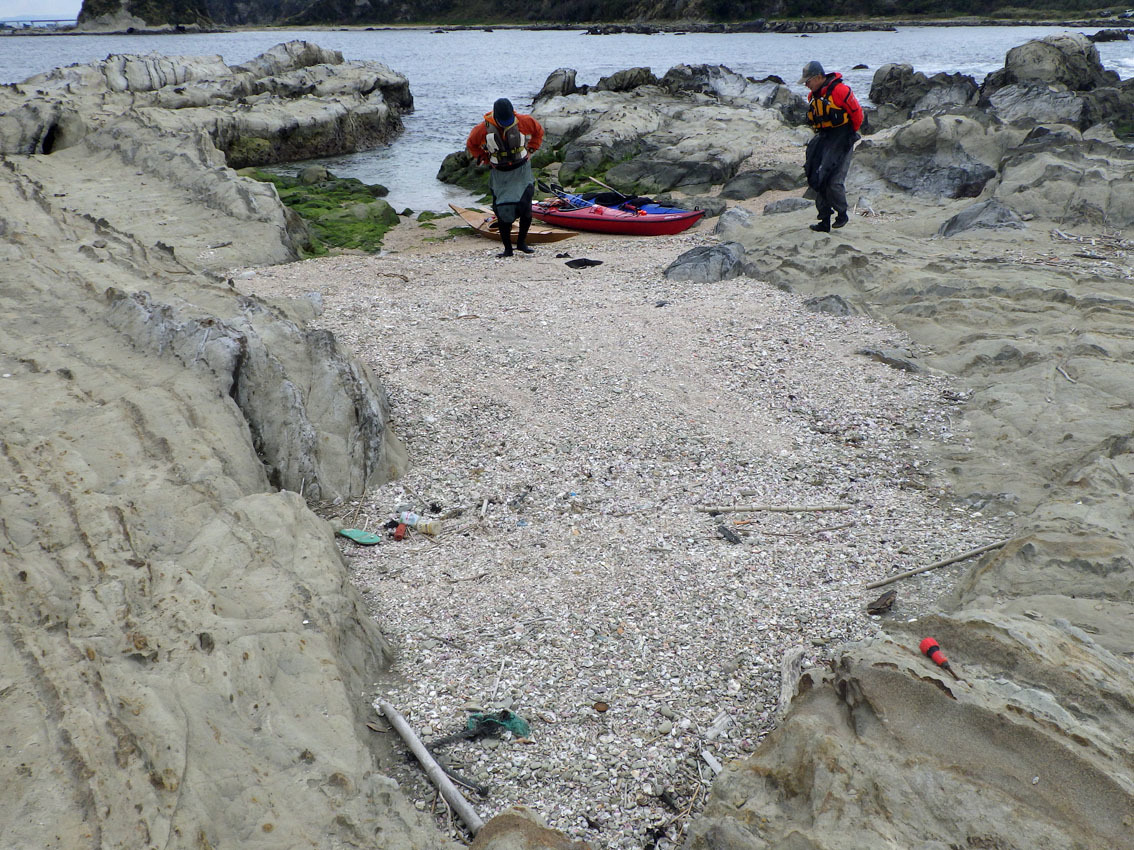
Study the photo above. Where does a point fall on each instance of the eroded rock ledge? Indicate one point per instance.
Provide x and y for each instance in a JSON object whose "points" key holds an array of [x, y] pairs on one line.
{"points": [[184, 657], [1034, 747], [295, 101]]}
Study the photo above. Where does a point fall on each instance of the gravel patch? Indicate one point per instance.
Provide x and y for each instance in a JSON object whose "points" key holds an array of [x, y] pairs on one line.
{"points": [[565, 427]]}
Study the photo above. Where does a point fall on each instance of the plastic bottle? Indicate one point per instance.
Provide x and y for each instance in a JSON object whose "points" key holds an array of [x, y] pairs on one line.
{"points": [[410, 519], [428, 526]]}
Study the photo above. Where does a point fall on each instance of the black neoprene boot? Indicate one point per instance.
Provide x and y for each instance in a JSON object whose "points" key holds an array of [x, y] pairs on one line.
{"points": [[840, 219], [506, 239], [823, 225], [522, 237]]}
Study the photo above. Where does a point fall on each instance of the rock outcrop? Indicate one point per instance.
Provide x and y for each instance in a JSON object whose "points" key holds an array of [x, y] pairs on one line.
{"points": [[640, 129], [1061, 79], [908, 92], [185, 660], [1066, 59], [1057, 174], [296, 101], [184, 651], [939, 156], [1026, 301], [1023, 143], [169, 126]]}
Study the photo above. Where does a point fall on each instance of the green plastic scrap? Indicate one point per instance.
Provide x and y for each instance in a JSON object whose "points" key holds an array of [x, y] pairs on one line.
{"points": [[496, 722], [366, 538]]}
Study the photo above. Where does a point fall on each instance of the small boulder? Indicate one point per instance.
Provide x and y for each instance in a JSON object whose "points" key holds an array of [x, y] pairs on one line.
{"points": [[708, 263], [752, 184], [831, 305], [786, 205], [733, 219], [313, 174], [520, 828], [895, 358], [462, 170], [990, 214], [559, 83], [627, 80]]}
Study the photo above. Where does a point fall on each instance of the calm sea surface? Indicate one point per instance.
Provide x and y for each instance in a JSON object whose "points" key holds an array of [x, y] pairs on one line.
{"points": [[455, 76]]}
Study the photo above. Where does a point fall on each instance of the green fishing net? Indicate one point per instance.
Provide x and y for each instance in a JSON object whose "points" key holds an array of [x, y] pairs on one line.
{"points": [[497, 721]]}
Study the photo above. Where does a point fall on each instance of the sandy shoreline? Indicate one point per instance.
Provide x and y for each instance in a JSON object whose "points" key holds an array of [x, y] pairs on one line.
{"points": [[184, 631], [595, 410]]}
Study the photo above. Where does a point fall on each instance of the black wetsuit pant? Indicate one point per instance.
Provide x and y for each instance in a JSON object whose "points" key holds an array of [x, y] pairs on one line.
{"points": [[827, 161], [506, 213]]}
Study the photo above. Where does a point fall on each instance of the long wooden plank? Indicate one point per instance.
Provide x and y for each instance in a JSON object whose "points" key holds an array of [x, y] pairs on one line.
{"points": [[483, 225]]}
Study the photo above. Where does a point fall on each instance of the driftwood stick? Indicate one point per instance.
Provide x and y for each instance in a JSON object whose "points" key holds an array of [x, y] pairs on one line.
{"points": [[839, 527], [964, 556], [779, 509], [496, 687], [448, 790]]}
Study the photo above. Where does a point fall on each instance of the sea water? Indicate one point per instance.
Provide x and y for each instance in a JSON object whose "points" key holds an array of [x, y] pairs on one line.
{"points": [[455, 75]]}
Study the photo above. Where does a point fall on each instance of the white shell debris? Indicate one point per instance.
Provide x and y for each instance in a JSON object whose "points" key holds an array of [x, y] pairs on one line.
{"points": [[566, 427]]}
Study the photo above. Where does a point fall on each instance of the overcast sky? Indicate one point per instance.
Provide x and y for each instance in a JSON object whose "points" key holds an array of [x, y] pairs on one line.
{"points": [[33, 9]]}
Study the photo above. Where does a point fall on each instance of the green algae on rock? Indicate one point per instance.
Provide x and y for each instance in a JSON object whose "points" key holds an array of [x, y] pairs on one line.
{"points": [[341, 212]]}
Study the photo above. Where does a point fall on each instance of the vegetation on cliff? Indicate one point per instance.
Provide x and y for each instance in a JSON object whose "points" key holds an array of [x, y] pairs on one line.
{"points": [[153, 12]]}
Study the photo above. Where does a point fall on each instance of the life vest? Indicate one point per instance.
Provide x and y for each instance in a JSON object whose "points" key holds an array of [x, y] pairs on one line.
{"points": [[822, 114], [506, 148]]}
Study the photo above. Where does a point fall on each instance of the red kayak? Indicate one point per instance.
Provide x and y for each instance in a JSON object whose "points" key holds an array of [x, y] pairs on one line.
{"points": [[644, 221]]}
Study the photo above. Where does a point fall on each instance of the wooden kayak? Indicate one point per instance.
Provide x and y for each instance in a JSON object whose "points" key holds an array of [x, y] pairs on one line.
{"points": [[661, 221], [484, 224]]}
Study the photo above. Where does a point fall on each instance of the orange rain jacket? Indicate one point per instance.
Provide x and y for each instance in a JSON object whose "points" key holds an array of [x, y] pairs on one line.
{"points": [[477, 140]]}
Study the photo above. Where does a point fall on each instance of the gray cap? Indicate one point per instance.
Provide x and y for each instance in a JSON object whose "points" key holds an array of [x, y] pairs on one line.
{"points": [[811, 69]]}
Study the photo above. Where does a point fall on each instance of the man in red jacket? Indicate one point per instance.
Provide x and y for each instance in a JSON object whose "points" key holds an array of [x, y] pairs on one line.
{"points": [[505, 141], [835, 116]]}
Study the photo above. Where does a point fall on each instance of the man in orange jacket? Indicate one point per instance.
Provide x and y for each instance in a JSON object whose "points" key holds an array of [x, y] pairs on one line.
{"points": [[505, 141], [835, 116]]}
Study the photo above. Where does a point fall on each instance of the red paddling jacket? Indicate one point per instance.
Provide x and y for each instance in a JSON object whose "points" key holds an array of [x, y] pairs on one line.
{"points": [[833, 105]]}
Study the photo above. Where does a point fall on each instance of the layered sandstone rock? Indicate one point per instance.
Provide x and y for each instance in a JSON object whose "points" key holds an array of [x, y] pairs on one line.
{"points": [[185, 656], [1030, 309], [294, 102], [185, 661]]}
